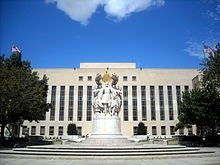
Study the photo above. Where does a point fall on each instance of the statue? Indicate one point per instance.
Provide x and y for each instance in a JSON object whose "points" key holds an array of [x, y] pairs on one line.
{"points": [[107, 96]]}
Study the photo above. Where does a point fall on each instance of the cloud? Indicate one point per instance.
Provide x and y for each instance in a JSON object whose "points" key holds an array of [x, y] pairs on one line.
{"points": [[82, 10], [194, 49]]}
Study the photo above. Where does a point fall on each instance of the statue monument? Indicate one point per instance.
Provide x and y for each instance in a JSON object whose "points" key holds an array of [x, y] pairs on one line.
{"points": [[107, 100]]}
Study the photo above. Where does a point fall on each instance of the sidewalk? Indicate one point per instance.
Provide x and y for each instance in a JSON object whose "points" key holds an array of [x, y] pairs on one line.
{"points": [[214, 159]]}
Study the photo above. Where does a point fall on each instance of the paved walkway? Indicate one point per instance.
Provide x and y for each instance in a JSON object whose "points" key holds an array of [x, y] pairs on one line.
{"points": [[213, 159]]}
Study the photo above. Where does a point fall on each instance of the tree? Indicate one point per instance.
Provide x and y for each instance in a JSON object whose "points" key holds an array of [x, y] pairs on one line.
{"points": [[23, 94], [141, 129], [201, 106], [71, 129]]}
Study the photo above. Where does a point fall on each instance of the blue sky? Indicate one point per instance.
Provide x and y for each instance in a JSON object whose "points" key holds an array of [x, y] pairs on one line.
{"points": [[151, 33]]}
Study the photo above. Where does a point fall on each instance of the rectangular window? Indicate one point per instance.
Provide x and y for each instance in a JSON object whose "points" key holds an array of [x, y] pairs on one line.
{"points": [[134, 103], [154, 130], [181, 131], [163, 130], [51, 130], [89, 78], [89, 103], [190, 130], [60, 130], [135, 130], [42, 130], [24, 130], [80, 78], [80, 103], [178, 98], [186, 88], [53, 103], [152, 103], [62, 103], [125, 78], [33, 130], [134, 78], [172, 130], [125, 102], [79, 131], [170, 102], [143, 103], [71, 103], [161, 103]]}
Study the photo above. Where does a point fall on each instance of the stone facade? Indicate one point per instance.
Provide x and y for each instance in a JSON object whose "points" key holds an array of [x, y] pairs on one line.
{"points": [[148, 95]]}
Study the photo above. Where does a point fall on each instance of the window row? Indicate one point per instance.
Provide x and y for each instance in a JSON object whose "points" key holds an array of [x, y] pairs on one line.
{"points": [[89, 78], [163, 131]]}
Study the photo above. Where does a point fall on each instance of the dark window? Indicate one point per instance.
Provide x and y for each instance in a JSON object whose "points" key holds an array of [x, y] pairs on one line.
{"points": [[24, 130], [53, 103], [71, 103], [163, 130], [135, 130], [80, 103], [125, 78], [60, 130], [125, 102], [42, 130], [178, 98], [172, 130], [80, 78], [51, 130], [33, 130], [89, 103], [62, 103], [186, 88], [79, 130], [143, 103], [161, 103], [170, 102], [134, 78], [190, 130], [134, 103], [89, 78], [152, 103], [181, 131], [154, 130]]}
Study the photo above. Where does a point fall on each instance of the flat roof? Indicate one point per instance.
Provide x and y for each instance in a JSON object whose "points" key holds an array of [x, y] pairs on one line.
{"points": [[107, 65]]}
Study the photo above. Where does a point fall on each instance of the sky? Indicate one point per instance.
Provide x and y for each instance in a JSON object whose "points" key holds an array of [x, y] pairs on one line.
{"points": [[150, 33]]}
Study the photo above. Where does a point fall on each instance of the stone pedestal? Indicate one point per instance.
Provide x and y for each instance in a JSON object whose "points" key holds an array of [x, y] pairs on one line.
{"points": [[106, 127]]}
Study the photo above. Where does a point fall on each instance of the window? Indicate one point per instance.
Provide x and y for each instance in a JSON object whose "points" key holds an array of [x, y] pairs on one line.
{"points": [[163, 130], [25, 130], [42, 130], [62, 103], [181, 131], [186, 88], [125, 102], [89, 78], [53, 103], [172, 130], [33, 130], [161, 103], [80, 103], [89, 103], [125, 78], [154, 130], [60, 130], [178, 99], [135, 130], [51, 130], [143, 103], [152, 103], [134, 103], [190, 130], [80, 78], [170, 102], [71, 103], [79, 131], [134, 78]]}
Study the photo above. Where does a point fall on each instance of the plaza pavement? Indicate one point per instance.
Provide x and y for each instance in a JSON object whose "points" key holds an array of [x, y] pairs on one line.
{"points": [[202, 159]]}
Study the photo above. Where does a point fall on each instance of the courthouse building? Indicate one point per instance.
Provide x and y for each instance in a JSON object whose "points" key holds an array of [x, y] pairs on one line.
{"points": [[150, 96]]}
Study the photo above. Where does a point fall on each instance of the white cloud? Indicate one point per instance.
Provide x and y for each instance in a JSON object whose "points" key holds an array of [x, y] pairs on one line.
{"points": [[82, 10], [194, 49]]}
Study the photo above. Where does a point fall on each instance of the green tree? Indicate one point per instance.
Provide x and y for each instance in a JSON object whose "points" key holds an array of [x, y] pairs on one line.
{"points": [[201, 106], [71, 129], [23, 94], [141, 129]]}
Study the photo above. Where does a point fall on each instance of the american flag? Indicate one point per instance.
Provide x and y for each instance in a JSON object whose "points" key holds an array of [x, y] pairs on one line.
{"points": [[15, 49], [207, 49]]}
